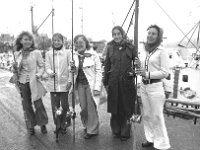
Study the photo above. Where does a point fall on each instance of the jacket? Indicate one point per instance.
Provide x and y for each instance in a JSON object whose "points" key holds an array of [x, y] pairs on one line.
{"points": [[61, 59], [93, 71], [36, 66]]}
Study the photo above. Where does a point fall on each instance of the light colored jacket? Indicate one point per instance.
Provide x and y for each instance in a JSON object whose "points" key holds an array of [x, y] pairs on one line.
{"points": [[157, 62], [61, 59], [93, 71], [36, 64]]}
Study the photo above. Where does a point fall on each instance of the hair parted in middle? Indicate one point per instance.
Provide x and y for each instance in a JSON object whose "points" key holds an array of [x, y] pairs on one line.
{"points": [[121, 30], [59, 35], [84, 39], [18, 44], [160, 32]]}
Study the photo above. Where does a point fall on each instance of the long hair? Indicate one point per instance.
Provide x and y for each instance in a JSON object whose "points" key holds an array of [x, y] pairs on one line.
{"points": [[150, 47], [121, 30], [84, 39], [19, 38], [160, 33]]}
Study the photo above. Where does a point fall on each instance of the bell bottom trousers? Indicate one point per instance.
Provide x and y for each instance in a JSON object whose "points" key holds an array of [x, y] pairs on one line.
{"points": [[153, 99], [60, 99], [89, 114], [32, 117], [120, 125]]}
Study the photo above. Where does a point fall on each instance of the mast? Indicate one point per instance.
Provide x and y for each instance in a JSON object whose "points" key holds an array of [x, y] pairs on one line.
{"points": [[32, 22], [136, 24]]}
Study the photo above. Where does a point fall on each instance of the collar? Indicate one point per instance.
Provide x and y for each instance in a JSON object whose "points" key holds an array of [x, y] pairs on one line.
{"points": [[87, 53], [59, 52]]}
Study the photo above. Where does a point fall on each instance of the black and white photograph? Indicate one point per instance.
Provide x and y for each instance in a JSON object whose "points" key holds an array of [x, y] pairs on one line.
{"points": [[100, 75]]}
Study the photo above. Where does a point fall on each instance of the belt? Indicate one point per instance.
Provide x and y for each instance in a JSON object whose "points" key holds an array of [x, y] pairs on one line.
{"points": [[150, 81]]}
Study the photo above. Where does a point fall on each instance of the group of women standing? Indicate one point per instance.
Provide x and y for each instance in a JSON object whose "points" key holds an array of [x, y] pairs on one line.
{"points": [[86, 72]]}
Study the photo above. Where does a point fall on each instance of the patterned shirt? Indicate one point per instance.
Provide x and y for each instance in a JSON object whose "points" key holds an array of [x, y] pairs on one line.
{"points": [[81, 78]]}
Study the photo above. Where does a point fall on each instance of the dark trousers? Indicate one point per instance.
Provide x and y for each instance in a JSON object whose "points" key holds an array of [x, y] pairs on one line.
{"points": [[60, 99], [32, 118], [120, 125]]}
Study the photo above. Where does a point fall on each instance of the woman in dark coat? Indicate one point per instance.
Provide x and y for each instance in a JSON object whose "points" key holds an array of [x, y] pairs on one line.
{"points": [[119, 82]]}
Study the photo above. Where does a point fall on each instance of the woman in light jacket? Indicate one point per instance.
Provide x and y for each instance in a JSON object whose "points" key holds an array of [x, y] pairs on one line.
{"points": [[58, 67], [155, 67], [88, 77], [29, 68]]}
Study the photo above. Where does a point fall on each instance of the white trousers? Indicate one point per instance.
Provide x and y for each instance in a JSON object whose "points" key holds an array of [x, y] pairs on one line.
{"points": [[153, 100]]}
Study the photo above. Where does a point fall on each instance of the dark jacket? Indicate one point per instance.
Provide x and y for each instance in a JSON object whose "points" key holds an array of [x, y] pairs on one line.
{"points": [[121, 88]]}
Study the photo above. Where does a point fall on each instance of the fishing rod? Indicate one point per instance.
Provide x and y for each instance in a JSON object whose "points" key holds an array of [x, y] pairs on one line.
{"points": [[17, 84], [137, 112], [73, 90], [57, 110]]}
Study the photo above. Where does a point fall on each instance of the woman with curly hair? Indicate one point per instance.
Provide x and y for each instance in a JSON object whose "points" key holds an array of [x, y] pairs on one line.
{"points": [[29, 67]]}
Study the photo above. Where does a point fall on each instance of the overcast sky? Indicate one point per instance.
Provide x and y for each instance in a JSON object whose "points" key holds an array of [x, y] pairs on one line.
{"points": [[99, 16]]}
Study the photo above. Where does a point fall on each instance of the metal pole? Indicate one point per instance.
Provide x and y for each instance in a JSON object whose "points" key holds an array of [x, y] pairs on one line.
{"points": [[136, 46], [32, 23], [53, 49], [54, 78], [73, 92], [136, 25]]}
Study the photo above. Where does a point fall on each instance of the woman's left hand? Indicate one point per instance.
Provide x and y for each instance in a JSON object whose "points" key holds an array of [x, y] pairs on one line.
{"points": [[96, 93], [69, 84], [141, 72], [38, 76]]}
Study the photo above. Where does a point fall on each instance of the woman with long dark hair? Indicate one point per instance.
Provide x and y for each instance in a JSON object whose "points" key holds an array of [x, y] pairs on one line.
{"points": [[119, 82], [30, 67]]}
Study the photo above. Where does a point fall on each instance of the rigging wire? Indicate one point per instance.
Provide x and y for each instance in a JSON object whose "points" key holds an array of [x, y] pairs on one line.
{"points": [[128, 13], [191, 37], [198, 38], [131, 22], [45, 20], [188, 33], [172, 20]]}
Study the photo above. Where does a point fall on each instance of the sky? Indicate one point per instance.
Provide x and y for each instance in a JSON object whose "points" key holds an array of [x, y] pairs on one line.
{"points": [[96, 18]]}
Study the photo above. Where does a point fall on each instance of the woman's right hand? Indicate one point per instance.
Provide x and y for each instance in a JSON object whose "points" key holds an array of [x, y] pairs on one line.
{"points": [[72, 66], [14, 66], [52, 75]]}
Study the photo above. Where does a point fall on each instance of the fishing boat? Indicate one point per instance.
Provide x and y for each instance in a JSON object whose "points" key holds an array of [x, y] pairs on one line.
{"points": [[182, 85]]}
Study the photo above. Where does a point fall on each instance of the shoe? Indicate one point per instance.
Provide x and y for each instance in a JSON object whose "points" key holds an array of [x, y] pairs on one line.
{"points": [[63, 130], [85, 130], [89, 136], [43, 129], [124, 138], [147, 144], [117, 135], [31, 131]]}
